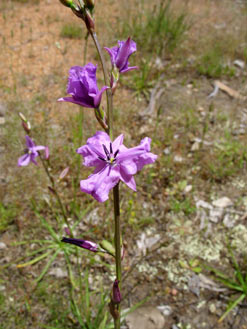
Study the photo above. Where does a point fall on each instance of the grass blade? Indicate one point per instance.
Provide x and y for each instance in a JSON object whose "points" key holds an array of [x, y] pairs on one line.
{"points": [[231, 307]]}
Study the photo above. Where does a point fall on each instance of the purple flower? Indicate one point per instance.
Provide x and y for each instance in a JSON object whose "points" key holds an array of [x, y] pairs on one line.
{"points": [[116, 295], [89, 245], [83, 87], [112, 162], [120, 55], [31, 153]]}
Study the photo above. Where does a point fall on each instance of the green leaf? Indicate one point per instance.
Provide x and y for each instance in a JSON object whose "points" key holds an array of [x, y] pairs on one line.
{"points": [[231, 306]]}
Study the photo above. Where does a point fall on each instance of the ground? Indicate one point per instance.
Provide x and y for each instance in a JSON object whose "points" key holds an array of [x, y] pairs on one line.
{"points": [[188, 217]]}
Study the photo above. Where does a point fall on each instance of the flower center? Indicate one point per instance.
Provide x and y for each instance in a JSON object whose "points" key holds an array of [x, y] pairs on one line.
{"points": [[110, 156]]}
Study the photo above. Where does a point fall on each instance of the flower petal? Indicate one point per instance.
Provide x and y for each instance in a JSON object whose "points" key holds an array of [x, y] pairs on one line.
{"points": [[113, 53], [128, 179], [100, 184], [29, 142], [126, 49], [117, 143], [24, 160], [75, 101], [131, 68], [98, 96]]}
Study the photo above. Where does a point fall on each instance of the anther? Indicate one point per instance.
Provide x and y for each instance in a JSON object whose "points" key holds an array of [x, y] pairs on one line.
{"points": [[116, 153], [111, 151]]}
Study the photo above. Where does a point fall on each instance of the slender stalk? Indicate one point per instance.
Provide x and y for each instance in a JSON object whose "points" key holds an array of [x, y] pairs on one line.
{"points": [[107, 82], [109, 130]]}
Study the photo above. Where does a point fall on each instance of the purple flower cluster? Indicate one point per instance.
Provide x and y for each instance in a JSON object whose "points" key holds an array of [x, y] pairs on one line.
{"points": [[113, 162]]}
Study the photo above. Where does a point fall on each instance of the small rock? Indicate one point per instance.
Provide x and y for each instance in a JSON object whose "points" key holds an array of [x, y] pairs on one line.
{"points": [[203, 204], [222, 202], [228, 221], [3, 245], [2, 288], [167, 151], [58, 272], [212, 308], [146, 317], [2, 120], [178, 158], [166, 310], [216, 214], [188, 188], [239, 63], [3, 110], [195, 146]]}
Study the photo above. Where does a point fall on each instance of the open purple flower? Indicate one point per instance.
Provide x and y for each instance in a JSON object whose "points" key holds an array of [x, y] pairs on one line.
{"points": [[82, 86], [120, 55], [113, 162], [31, 152], [89, 245]]}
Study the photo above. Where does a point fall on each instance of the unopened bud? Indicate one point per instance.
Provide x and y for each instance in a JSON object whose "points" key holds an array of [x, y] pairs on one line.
{"points": [[63, 173], [89, 4], [89, 21], [69, 4], [22, 116], [47, 153], [26, 126], [51, 189], [116, 295], [107, 246]]}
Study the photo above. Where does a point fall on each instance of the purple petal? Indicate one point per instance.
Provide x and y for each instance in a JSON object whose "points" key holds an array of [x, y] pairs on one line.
{"points": [[126, 49], [98, 96], [128, 179], [117, 142], [74, 101], [113, 53], [131, 68], [38, 148], [29, 142], [24, 160], [91, 158], [100, 184]]}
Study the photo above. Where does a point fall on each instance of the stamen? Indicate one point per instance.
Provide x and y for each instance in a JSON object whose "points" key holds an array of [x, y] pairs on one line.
{"points": [[116, 153], [101, 159], [111, 151], [106, 152]]}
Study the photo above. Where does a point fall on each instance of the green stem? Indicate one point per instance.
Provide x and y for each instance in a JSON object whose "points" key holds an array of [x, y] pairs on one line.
{"points": [[109, 130], [107, 83], [56, 193]]}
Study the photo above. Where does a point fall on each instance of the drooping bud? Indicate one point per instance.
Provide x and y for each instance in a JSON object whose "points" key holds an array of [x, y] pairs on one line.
{"points": [[89, 245], [116, 295]]}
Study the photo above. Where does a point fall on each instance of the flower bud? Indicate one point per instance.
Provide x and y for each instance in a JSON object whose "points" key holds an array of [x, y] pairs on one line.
{"points": [[89, 21], [63, 173], [26, 126], [89, 4], [68, 3], [116, 295], [107, 246]]}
